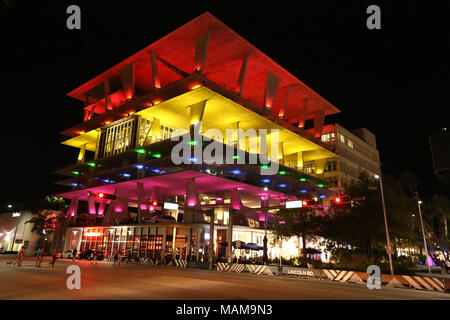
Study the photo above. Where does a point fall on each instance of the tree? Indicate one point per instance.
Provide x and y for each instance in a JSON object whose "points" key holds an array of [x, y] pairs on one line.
{"points": [[436, 213], [299, 222], [44, 220], [361, 224]]}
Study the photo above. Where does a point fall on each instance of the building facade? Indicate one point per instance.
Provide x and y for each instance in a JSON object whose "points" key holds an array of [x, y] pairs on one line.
{"points": [[15, 233], [126, 190], [356, 151]]}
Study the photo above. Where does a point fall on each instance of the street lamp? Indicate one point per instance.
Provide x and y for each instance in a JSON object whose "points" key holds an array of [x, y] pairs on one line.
{"points": [[385, 224], [10, 206], [419, 202]]}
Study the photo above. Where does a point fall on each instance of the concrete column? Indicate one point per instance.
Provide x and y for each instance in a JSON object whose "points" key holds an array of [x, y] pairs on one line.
{"points": [[107, 94], [319, 118], [128, 80], [197, 243], [80, 159], [211, 240], [272, 84], [301, 123], [230, 236], [155, 75], [201, 49], [241, 79]]}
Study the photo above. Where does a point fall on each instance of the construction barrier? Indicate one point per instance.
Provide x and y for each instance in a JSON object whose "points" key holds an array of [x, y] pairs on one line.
{"points": [[226, 267], [180, 263], [418, 282], [259, 269]]}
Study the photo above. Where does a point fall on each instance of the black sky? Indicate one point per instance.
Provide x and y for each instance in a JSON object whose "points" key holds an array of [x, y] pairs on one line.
{"points": [[394, 81]]}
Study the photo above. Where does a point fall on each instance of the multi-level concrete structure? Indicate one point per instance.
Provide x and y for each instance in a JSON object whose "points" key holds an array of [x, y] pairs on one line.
{"points": [[202, 72]]}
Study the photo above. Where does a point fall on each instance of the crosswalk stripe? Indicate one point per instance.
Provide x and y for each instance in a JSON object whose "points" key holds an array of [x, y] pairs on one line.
{"points": [[333, 272]]}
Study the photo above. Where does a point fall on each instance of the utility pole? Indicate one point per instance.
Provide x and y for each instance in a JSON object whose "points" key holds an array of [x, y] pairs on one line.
{"points": [[386, 225], [423, 231]]}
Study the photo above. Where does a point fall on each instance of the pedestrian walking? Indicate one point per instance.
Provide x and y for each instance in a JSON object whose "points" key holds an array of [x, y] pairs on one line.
{"points": [[20, 256], [95, 258], [163, 256], [128, 257], [119, 258], [74, 254], [52, 262], [115, 256], [38, 256]]}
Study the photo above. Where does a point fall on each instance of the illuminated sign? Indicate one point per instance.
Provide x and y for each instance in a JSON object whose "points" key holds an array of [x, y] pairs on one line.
{"points": [[16, 214], [293, 204], [301, 272], [170, 206]]}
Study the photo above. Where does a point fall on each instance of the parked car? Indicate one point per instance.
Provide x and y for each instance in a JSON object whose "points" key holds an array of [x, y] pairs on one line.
{"points": [[162, 219], [67, 254], [88, 255]]}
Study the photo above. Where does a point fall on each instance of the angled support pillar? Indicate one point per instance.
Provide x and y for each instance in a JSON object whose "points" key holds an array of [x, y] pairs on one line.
{"points": [[101, 208], [107, 94], [201, 49], [319, 166], [81, 154], [281, 153], [241, 79], [319, 118], [91, 204], [235, 201], [128, 80], [140, 197], [272, 84], [303, 115], [155, 75], [300, 160], [196, 113], [283, 114], [192, 196], [73, 207]]}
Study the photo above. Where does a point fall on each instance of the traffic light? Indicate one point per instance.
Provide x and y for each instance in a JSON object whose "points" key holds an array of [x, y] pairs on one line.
{"points": [[309, 203], [106, 196], [341, 200]]}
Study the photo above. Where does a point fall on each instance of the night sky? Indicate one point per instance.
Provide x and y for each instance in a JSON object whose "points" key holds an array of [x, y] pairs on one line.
{"points": [[394, 81]]}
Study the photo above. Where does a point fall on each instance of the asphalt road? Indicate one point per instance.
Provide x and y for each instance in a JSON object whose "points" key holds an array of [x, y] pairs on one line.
{"points": [[106, 281]]}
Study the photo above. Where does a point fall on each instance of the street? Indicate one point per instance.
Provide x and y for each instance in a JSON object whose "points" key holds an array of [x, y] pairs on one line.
{"points": [[106, 281]]}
